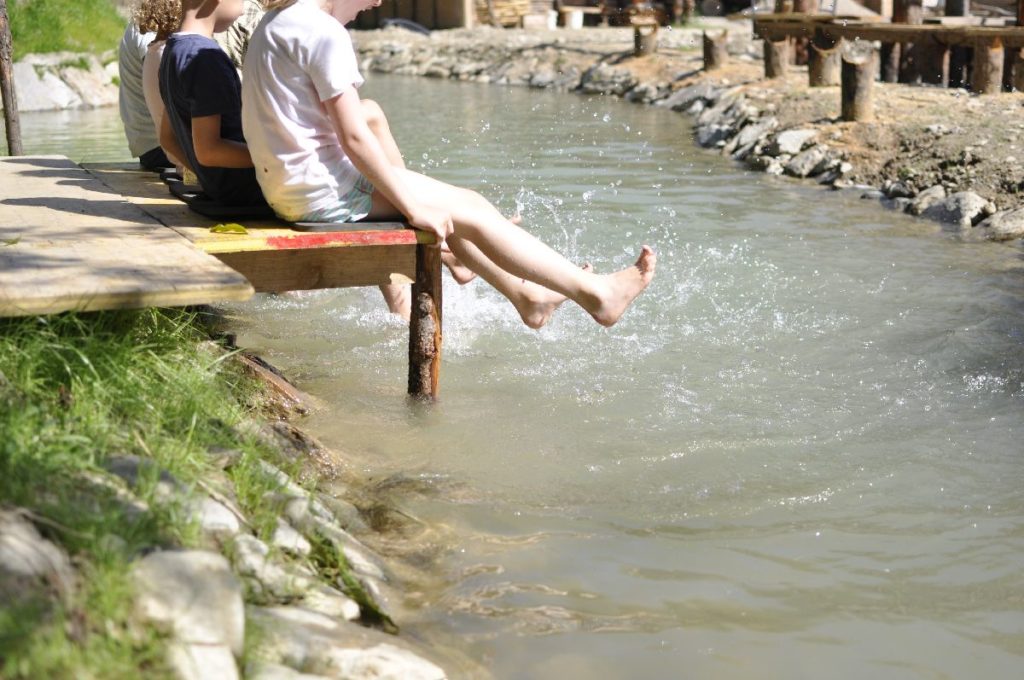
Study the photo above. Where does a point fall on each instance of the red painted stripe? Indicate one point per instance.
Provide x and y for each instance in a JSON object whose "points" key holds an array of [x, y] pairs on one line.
{"points": [[338, 238]]}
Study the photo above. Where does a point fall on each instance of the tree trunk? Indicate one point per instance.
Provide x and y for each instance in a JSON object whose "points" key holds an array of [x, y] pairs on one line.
{"points": [[12, 120]]}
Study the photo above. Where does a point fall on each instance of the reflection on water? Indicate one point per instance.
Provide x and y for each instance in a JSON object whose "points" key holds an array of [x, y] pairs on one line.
{"points": [[797, 456]]}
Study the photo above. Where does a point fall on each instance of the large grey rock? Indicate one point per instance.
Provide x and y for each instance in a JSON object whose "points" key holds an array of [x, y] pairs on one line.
{"points": [[92, 84], [1004, 226], [606, 79], [755, 131], [39, 89], [792, 142], [273, 671], [710, 135], [810, 162], [202, 662], [320, 644], [194, 595], [926, 199], [330, 602], [30, 564], [683, 98], [963, 209]]}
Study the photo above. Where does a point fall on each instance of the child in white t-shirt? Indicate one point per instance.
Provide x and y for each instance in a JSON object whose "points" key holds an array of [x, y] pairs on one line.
{"points": [[317, 160]]}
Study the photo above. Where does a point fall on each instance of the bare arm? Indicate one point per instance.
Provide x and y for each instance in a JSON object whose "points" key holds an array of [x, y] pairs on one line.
{"points": [[367, 154], [169, 142], [214, 151]]}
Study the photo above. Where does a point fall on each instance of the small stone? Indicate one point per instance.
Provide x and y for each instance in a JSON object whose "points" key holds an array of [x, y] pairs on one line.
{"points": [[898, 190], [133, 470], [252, 559], [874, 195], [214, 519], [712, 135], [288, 539], [938, 129], [755, 131], [330, 602]]}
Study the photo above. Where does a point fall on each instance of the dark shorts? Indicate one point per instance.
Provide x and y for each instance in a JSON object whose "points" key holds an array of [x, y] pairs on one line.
{"points": [[155, 159]]}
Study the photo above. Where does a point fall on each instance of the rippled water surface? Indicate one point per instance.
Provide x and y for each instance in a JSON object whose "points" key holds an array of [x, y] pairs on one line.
{"points": [[799, 454]]}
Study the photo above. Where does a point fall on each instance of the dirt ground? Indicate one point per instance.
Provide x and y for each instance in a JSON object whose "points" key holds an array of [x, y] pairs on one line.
{"points": [[921, 135]]}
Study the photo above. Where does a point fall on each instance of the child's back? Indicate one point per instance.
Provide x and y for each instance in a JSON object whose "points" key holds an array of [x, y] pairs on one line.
{"points": [[197, 79]]}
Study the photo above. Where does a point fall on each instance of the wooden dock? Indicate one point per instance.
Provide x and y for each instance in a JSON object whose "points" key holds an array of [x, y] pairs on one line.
{"points": [[111, 236]]}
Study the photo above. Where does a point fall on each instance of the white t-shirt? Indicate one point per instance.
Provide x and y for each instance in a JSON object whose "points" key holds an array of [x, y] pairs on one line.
{"points": [[138, 126], [298, 57]]}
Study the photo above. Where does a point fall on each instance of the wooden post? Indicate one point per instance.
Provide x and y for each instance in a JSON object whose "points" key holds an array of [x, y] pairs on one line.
{"points": [[715, 53], [933, 62], [890, 57], [987, 73], [425, 324], [858, 79], [824, 60], [907, 12], [12, 122], [1018, 72], [645, 37], [959, 56], [776, 57]]}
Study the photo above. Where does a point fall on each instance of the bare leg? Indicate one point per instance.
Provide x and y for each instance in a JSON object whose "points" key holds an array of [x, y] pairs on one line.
{"points": [[396, 296], [511, 255]]}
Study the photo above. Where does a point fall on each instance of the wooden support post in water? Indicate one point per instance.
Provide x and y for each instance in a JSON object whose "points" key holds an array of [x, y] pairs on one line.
{"points": [[858, 80], [824, 60], [987, 73], [715, 53], [425, 324], [776, 57], [645, 37], [8, 94], [959, 56]]}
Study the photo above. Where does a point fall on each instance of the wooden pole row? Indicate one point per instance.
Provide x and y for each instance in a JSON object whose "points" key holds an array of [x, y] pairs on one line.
{"points": [[12, 122]]}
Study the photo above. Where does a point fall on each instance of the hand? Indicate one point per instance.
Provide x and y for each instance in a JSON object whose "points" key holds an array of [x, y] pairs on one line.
{"points": [[434, 220]]}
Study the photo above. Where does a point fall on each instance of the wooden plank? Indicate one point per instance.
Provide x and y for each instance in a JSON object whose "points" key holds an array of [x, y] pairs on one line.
{"points": [[68, 243], [277, 271], [946, 35], [151, 195]]}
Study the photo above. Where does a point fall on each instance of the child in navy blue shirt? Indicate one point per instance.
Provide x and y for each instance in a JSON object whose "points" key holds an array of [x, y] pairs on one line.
{"points": [[203, 96]]}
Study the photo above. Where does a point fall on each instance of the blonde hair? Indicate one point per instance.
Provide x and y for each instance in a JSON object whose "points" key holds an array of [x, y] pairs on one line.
{"points": [[158, 16], [282, 4]]}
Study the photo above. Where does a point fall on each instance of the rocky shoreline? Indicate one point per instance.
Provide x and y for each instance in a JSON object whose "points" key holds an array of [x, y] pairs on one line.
{"points": [[931, 153], [308, 600]]}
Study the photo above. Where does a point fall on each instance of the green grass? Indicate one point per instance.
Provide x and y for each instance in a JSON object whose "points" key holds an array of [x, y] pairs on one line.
{"points": [[59, 25], [76, 389]]}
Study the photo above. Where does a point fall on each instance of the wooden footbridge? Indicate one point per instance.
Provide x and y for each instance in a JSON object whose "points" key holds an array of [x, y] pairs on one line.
{"points": [[110, 236]]}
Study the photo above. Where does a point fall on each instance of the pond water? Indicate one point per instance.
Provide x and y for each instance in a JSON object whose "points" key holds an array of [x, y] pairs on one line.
{"points": [[798, 455]]}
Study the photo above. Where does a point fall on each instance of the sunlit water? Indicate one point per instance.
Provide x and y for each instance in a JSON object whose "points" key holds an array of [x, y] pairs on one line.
{"points": [[796, 457]]}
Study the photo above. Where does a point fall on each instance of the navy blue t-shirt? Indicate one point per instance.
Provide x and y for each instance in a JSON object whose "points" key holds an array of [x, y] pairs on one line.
{"points": [[197, 79]]}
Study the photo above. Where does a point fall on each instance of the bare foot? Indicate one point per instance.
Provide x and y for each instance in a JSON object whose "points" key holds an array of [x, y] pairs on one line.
{"points": [[622, 287], [460, 272], [538, 304]]}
